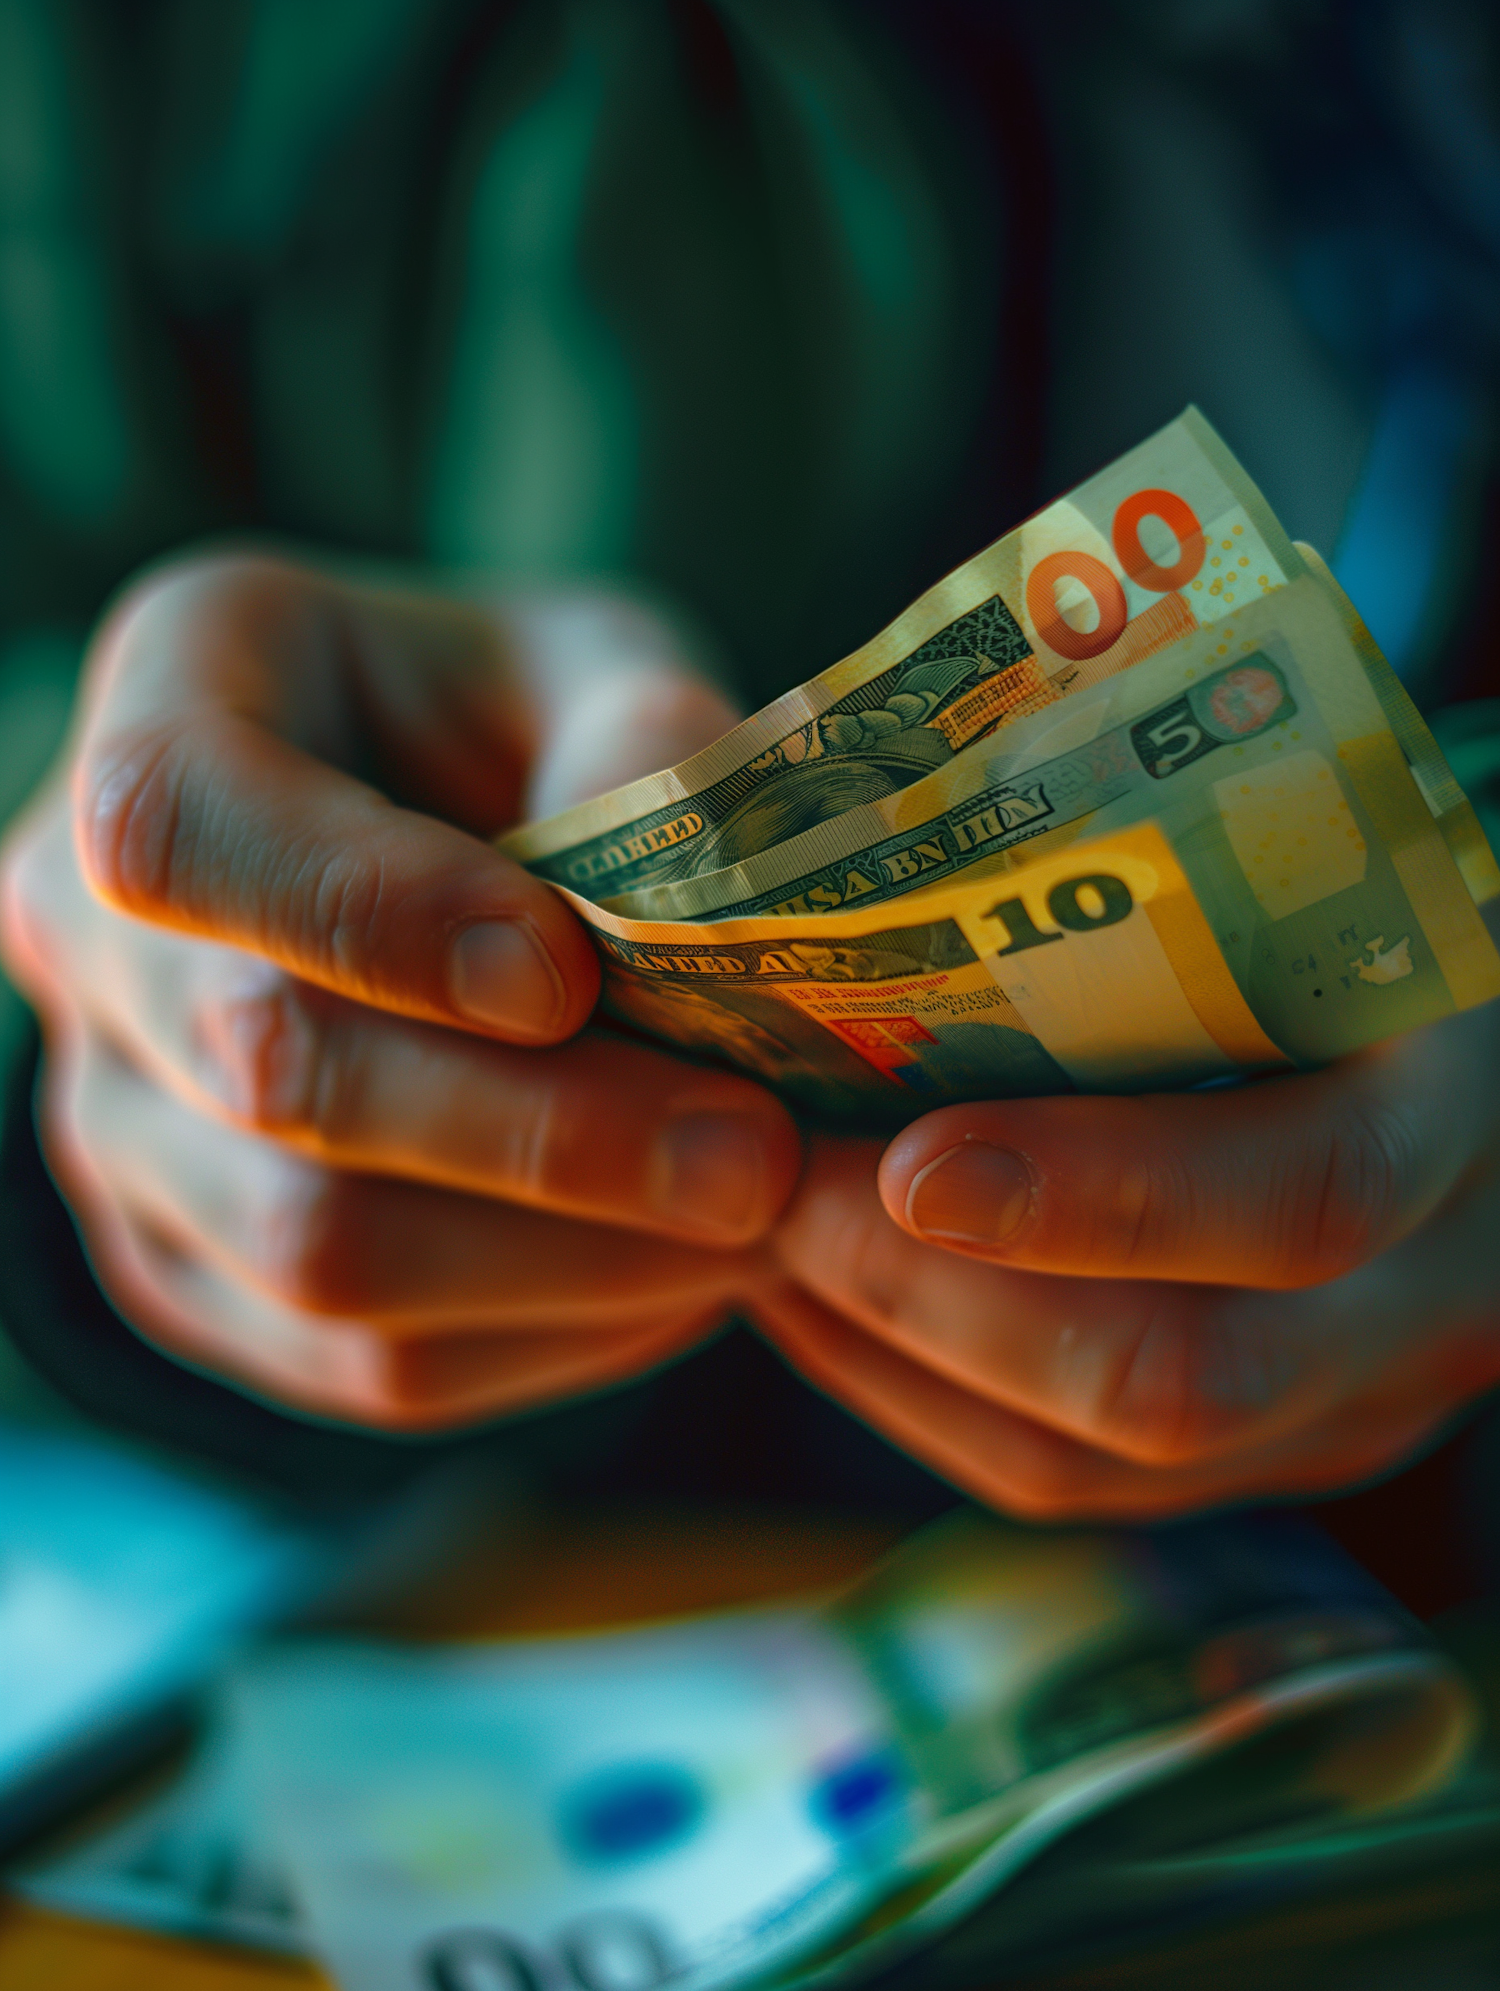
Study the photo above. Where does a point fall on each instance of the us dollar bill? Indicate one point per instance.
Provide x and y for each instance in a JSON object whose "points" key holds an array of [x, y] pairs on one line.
{"points": [[1216, 863], [1171, 538]]}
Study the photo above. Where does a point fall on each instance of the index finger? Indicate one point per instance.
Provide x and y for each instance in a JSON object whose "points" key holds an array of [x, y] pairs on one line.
{"points": [[196, 807]]}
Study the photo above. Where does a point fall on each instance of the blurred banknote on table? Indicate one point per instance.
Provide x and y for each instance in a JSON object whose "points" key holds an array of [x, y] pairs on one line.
{"points": [[1180, 824], [790, 1797], [190, 1860]]}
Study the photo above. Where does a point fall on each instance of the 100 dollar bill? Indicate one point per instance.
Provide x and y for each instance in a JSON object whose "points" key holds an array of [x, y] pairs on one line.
{"points": [[1243, 873], [1171, 537]]}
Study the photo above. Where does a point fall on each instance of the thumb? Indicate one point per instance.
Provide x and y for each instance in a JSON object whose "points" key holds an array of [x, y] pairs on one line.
{"points": [[1290, 1182]]}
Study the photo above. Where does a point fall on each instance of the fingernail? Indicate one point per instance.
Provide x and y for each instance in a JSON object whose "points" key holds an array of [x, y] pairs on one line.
{"points": [[973, 1194], [500, 973], [710, 1173]]}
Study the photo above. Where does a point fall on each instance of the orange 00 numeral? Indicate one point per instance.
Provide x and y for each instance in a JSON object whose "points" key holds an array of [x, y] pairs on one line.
{"points": [[1109, 597], [1180, 520]]}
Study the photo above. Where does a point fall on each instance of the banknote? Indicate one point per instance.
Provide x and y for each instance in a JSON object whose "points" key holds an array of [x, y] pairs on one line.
{"points": [[1171, 537], [1285, 674], [799, 1797], [613, 1812], [190, 1859], [1452, 810], [1219, 861]]}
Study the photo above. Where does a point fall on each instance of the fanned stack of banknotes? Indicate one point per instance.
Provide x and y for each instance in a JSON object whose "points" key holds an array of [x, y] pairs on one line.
{"points": [[1129, 801]]}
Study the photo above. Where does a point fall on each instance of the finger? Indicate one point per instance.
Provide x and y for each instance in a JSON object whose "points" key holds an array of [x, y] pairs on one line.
{"points": [[199, 805], [600, 1128], [1147, 1371], [348, 1370], [1280, 1184], [1031, 1470], [340, 1367], [1161, 1373], [399, 1255]]}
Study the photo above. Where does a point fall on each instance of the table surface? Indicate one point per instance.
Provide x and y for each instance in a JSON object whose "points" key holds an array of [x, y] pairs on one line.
{"points": [[584, 1569]]}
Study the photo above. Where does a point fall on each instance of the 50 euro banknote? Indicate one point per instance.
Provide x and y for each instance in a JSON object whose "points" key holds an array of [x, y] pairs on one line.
{"points": [[1226, 858], [1170, 538]]}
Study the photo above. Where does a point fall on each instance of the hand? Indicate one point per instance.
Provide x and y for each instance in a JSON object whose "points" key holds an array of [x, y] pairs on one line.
{"points": [[312, 1082], [1083, 1307]]}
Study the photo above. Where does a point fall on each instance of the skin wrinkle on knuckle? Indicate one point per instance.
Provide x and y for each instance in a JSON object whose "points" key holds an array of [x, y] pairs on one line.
{"points": [[271, 1061], [1152, 1207], [1355, 1192], [350, 907], [137, 826]]}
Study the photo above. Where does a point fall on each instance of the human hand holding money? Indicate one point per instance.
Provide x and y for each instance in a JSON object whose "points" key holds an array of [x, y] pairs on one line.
{"points": [[1205, 851], [305, 1079]]}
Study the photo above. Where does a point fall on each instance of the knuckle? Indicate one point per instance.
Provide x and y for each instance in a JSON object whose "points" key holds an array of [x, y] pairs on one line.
{"points": [[432, 1383], [309, 1242], [385, 1399], [26, 943], [138, 811], [1153, 1206], [1046, 1490], [1190, 1385], [1359, 1185], [339, 902], [134, 820], [267, 1056], [198, 582], [79, 1119], [868, 1255]]}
